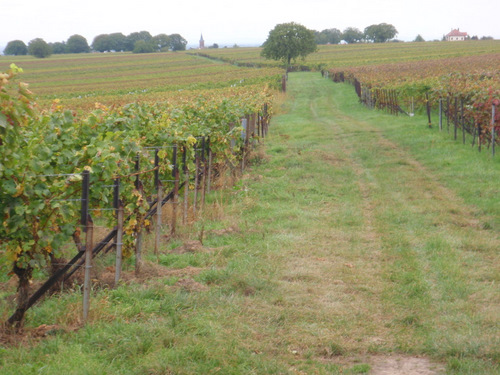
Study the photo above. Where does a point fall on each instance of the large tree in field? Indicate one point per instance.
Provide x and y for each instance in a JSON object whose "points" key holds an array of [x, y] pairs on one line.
{"points": [[380, 33], [177, 42], [288, 41], [16, 48], [77, 44], [39, 48]]}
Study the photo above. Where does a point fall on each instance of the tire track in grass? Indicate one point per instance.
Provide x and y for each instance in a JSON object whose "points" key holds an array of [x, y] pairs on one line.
{"points": [[406, 278]]}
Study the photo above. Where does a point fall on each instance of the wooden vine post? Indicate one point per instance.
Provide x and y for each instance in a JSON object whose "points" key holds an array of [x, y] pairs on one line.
{"points": [[186, 186], [119, 241], [88, 228], [118, 205], [175, 200], [493, 135], [138, 244], [159, 205]]}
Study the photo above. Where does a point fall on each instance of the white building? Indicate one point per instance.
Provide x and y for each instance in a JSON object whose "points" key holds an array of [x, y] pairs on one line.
{"points": [[456, 35]]}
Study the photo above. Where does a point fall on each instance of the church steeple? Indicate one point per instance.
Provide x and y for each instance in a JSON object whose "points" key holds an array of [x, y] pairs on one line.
{"points": [[202, 42]]}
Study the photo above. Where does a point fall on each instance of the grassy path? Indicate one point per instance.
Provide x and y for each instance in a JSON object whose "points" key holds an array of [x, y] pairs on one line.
{"points": [[385, 257], [359, 243]]}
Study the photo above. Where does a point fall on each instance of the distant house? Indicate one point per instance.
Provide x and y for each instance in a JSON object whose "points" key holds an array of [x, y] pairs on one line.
{"points": [[456, 35]]}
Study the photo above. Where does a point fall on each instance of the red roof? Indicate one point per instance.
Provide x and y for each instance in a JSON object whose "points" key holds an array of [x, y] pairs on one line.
{"points": [[456, 32]]}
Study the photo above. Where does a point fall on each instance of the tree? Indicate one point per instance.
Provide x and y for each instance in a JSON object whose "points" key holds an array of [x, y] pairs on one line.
{"points": [[117, 42], [215, 45], [288, 41], [110, 42], [161, 42], [352, 35], [328, 36], [58, 48], [135, 37], [419, 38], [77, 44], [39, 48], [177, 42], [101, 43], [141, 46], [380, 33], [16, 48]]}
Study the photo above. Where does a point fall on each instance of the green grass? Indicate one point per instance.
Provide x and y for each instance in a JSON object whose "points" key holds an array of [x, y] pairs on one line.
{"points": [[359, 236]]}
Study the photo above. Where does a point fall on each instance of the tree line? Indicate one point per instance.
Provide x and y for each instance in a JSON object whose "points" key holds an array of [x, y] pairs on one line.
{"points": [[379, 33], [136, 42]]}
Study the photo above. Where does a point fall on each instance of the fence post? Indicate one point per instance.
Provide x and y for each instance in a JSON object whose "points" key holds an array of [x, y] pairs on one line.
{"points": [[159, 206], [89, 245], [462, 119], [119, 241], [428, 109], [118, 206], [209, 173], [448, 114], [87, 224], [138, 252], [204, 173], [137, 168], [175, 175], [196, 177], [493, 129], [157, 169], [440, 114], [479, 138], [186, 185], [455, 120]]}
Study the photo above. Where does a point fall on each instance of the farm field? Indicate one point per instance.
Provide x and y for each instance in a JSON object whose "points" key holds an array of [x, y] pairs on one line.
{"points": [[337, 191], [335, 56], [358, 243], [80, 81]]}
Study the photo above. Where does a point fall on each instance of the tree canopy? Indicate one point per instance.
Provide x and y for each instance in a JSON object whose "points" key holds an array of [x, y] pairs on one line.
{"points": [[380, 33], [419, 38], [16, 48], [141, 46], [288, 41], [58, 48], [161, 42], [148, 43], [39, 48], [77, 44], [177, 42], [352, 35], [328, 36]]}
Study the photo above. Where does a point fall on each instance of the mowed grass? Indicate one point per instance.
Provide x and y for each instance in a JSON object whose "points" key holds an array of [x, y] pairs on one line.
{"points": [[354, 237]]}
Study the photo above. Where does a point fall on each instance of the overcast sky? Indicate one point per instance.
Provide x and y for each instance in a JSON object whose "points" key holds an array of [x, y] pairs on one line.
{"points": [[229, 22]]}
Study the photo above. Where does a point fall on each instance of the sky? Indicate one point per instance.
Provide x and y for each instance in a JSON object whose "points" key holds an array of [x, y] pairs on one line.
{"points": [[229, 22]]}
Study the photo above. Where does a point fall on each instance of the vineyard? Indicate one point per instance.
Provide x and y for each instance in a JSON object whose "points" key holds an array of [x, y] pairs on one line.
{"points": [[125, 154], [456, 81], [464, 89], [347, 56], [133, 240], [79, 81]]}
